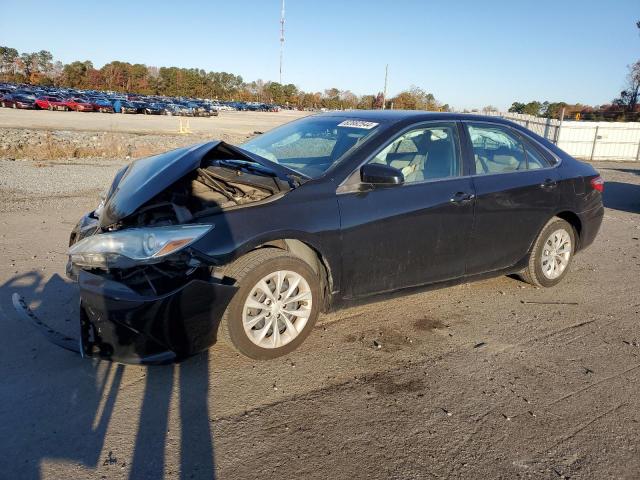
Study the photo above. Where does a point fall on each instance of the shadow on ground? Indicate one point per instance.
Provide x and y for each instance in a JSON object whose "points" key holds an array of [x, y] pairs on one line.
{"points": [[633, 171], [56, 406], [622, 196]]}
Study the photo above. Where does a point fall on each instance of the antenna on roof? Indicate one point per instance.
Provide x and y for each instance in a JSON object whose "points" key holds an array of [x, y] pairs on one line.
{"points": [[281, 39]]}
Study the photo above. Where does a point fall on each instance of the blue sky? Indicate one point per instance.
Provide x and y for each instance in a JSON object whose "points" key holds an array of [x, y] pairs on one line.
{"points": [[467, 53]]}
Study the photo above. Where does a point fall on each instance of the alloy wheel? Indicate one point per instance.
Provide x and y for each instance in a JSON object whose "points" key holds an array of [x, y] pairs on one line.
{"points": [[556, 253], [277, 309]]}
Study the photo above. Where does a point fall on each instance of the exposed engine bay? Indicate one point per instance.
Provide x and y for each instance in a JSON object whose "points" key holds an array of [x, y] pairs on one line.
{"points": [[216, 185]]}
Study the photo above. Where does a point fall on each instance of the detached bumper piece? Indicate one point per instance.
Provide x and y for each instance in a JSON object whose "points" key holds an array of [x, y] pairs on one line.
{"points": [[119, 324], [60, 339]]}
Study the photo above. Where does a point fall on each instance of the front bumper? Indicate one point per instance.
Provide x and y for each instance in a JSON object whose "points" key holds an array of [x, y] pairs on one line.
{"points": [[119, 324]]}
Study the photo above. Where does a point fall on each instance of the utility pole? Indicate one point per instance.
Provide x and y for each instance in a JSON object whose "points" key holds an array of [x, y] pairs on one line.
{"points": [[281, 39], [384, 93]]}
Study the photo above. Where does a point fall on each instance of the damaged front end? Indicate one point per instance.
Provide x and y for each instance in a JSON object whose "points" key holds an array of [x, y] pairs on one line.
{"points": [[147, 296]]}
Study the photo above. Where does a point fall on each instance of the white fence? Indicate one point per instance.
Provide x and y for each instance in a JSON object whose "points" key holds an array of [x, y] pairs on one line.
{"points": [[586, 140]]}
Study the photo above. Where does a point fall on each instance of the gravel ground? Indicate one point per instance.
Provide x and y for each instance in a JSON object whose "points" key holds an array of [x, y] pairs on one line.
{"points": [[495, 379], [21, 180]]}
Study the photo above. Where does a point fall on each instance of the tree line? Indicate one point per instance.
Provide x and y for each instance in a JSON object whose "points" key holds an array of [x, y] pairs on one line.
{"points": [[40, 68]]}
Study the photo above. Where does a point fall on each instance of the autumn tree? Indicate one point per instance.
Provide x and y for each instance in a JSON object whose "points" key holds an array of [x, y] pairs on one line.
{"points": [[415, 99], [8, 57], [628, 98], [366, 102], [531, 108], [75, 74]]}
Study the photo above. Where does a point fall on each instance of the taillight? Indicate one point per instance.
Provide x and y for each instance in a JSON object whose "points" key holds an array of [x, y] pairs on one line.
{"points": [[597, 183]]}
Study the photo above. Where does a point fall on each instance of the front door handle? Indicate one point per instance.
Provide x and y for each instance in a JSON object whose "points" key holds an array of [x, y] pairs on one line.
{"points": [[461, 198], [548, 184]]}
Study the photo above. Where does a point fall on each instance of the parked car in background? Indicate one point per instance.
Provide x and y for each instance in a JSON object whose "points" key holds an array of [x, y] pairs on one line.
{"points": [[108, 101], [16, 100], [184, 110], [171, 109], [211, 110], [128, 107], [153, 109], [79, 104], [51, 103], [102, 105]]}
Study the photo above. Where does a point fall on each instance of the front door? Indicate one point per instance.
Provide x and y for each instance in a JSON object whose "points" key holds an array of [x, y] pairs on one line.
{"points": [[411, 234]]}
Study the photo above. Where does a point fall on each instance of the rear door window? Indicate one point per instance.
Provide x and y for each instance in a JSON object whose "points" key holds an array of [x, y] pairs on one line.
{"points": [[498, 149], [495, 150]]}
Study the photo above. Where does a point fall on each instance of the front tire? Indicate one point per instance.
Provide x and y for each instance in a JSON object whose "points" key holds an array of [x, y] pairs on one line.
{"points": [[276, 306], [551, 255]]}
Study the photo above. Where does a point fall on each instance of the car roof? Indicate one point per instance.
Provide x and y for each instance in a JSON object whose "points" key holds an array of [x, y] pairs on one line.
{"points": [[395, 116]]}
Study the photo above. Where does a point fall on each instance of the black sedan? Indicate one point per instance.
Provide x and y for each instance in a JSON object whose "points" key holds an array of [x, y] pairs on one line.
{"points": [[128, 107], [260, 239], [153, 109]]}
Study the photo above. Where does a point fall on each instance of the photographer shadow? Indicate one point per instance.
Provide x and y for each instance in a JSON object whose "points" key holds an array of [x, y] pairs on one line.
{"points": [[57, 408]]}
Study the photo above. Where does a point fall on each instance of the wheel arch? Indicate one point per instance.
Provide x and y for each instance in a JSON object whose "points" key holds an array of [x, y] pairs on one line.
{"points": [[572, 219], [568, 216], [313, 257]]}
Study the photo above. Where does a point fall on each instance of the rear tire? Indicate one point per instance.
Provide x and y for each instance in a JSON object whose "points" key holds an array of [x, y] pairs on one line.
{"points": [[551, 255], [254, 314]]}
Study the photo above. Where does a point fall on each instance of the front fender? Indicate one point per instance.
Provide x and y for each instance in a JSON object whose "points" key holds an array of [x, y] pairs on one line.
{"points": [[305, 216]]}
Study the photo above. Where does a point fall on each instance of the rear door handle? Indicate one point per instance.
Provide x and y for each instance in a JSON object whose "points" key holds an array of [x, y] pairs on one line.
{"points": [[460, 198], [549, 184]]}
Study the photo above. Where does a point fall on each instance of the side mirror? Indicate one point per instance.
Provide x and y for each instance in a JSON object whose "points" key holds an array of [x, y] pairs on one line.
{"points": [[378, 174]]}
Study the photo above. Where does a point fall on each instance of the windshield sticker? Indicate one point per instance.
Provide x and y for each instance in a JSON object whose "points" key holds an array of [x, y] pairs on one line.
{"points": [[358, 124]]}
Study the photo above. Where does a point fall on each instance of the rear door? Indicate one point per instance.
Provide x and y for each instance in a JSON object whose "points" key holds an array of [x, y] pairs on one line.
{"points": [[411, 234], [516, 194]]}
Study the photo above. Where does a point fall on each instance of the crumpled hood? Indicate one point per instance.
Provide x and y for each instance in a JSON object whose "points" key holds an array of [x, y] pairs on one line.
{"points": [[147, 177]]}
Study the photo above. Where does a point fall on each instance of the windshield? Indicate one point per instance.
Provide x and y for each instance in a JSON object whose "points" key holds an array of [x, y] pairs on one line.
{"points": [[311, 145]]}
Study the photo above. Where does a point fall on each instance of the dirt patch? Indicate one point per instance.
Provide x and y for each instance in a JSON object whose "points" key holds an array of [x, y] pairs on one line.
{"points": [[389, 385], [384, 339], [428, 324]]}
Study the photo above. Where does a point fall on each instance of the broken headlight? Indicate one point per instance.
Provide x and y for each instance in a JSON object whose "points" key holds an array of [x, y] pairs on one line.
{"points": [[135, 246]]}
